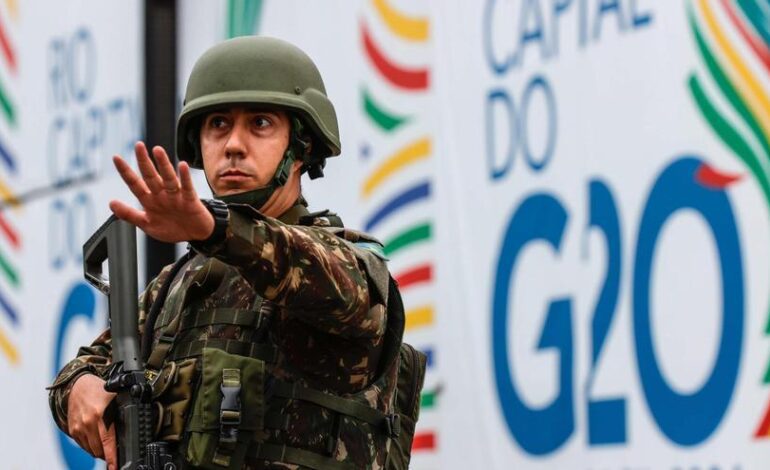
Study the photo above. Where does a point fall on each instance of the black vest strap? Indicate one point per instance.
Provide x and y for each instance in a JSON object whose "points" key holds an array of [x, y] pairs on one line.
{"points": [[228, 316], [264, 352], [294, 455], [341, 405]]}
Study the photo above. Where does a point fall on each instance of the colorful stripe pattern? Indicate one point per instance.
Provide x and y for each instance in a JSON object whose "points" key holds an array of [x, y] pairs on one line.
{"points": [[732, 39], [10, 239], [398, 187]]}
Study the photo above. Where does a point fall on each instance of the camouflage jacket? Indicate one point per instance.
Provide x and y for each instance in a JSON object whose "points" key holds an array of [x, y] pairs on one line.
{"points": [[328, 326]]}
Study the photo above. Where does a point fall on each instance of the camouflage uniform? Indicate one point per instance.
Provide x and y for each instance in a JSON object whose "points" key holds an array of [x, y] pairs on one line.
{"points": [[327, 327]]}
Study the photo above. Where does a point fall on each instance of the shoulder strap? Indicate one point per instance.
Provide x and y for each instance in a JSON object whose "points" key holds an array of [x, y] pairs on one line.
{"points": [[157, 304], [394, 333]]}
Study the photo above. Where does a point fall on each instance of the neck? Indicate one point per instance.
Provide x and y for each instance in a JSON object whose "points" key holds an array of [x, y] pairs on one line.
{"points": [[284, 197]]}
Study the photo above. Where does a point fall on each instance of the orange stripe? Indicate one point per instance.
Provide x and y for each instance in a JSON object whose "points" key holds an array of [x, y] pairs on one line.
{"points": [[419, 317], [13, 9], [9, 349]]}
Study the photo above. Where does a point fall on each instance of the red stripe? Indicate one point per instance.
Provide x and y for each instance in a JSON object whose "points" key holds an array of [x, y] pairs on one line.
{"points": [[711, 178], [9, 232], [416, 275], [758, 46], [411, 79], [5, 45], [764, 427], [424, 441]]}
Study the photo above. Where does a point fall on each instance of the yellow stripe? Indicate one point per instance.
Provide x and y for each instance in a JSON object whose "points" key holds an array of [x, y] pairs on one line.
{"points": [[13, 9], [405, 27], [419, 317], [749, 88], [418, 150], [9, 349], [7, 197]]}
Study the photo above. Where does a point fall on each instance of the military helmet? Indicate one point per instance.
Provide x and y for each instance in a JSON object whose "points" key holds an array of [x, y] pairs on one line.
{"points": [[257, 70]]}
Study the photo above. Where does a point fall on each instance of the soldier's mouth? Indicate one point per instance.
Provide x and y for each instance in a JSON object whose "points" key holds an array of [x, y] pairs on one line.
{"points": [[234, 174]]}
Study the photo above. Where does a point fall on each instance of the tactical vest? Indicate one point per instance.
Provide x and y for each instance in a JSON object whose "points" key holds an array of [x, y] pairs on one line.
{"points": [[219, 400]]}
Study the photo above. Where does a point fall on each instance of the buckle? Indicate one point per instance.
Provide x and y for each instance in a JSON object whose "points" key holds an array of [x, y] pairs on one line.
{"points": [[166, 338], [393, 424], [229, 414], [151, 375], [230, 409]]}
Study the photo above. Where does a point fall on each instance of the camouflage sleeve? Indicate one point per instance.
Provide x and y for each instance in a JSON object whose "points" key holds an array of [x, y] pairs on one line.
{"points": [[310, 271], [93, 359]]}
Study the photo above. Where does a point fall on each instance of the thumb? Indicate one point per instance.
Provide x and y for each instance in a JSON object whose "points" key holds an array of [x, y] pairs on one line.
{"points": [[109, 445]]}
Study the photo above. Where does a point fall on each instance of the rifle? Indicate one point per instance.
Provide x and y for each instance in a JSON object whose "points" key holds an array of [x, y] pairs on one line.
{"points": [[131, 409]]}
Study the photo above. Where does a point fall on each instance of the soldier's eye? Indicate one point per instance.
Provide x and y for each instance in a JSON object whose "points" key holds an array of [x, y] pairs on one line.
{"points": [[262, 122], [217, 122]]}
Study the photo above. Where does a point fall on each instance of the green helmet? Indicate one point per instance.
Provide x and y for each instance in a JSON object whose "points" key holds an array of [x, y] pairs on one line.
{"points": [[262, 71]]}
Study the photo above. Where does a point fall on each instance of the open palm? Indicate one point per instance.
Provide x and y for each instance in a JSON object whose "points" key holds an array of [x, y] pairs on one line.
{"points": [[172, 210]]}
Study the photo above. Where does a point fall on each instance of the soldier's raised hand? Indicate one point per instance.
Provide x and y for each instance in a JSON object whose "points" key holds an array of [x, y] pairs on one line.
{"points": [[172, 211]]}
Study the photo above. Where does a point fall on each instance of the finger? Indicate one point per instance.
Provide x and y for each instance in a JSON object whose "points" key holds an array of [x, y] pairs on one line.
{"points": [[165, 168], [95, 442], [188, 189], [129, 214], [147, 168], [82, 441], [109, 446], [132, 180]]}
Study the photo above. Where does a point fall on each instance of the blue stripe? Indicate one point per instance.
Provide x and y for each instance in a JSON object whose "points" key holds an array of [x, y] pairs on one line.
{"points": [[754, 13], [413, 194], [428, 352], [9, 310], [7, 158]]}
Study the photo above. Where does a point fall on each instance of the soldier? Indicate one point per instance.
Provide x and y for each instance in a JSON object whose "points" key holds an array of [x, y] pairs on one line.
{"points": [[274, 343]]}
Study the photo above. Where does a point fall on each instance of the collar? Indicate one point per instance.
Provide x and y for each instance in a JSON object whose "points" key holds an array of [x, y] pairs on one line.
{"points": [[292, 216]]}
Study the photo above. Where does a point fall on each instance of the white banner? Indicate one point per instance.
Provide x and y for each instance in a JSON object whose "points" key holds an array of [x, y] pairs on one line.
{"points": [[70, 75]]}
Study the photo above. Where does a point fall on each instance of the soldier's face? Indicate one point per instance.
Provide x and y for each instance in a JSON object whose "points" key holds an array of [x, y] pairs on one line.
{"points": [[242, 147]]}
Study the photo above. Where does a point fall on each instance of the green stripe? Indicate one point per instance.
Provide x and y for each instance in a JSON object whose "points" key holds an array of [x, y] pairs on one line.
{"points": [[245, 23], [256, 17], [230, 18], [728, 134], [7, 107], [427, 400], [9, 272], [727, 88], [385, 120], [235, 13], [408, 237], [243, 17]]}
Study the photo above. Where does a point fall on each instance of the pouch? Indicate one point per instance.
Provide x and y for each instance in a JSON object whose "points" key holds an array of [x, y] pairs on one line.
{"points": [[173, 390], [204, 448], [411, 375]]}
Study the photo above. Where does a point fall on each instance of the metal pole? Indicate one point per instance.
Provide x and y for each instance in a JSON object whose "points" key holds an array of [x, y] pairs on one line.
{"points": [[160, 88]]}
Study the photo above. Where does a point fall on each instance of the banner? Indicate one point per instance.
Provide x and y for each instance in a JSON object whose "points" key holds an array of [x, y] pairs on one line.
{"points": [[70, 98], [608, 231]]}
